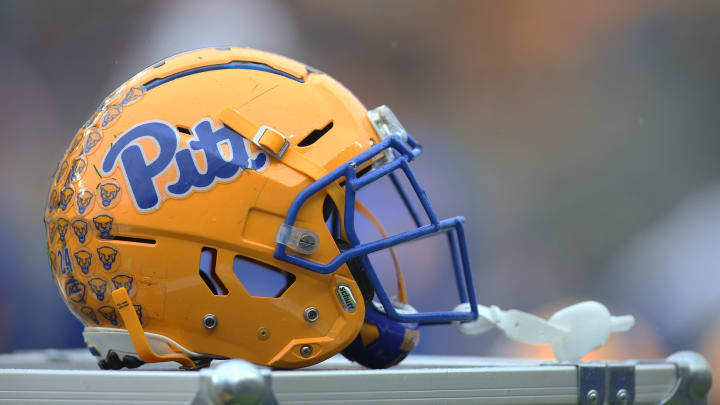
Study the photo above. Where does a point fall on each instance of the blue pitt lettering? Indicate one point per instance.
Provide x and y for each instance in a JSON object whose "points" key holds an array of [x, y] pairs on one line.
{"points": [[140, 174], [218, 166]]}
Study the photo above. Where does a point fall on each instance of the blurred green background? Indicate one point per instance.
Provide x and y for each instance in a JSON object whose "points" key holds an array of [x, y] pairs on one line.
{"points": [[580, 139]]}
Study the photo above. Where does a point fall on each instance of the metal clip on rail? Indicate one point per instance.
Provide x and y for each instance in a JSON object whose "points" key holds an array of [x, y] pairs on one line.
{"points": [[614, 383], [598, 382]]}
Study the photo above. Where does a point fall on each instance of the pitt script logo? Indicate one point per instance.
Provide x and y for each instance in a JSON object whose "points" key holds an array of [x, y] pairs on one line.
{"points": [[140, 173]]}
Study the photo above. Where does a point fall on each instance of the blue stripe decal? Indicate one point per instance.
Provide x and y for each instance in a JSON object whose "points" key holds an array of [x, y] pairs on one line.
{"points": [[230, 65]]}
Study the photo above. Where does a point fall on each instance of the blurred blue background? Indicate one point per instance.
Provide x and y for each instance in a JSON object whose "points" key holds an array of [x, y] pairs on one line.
{"points": [[580, 140]]}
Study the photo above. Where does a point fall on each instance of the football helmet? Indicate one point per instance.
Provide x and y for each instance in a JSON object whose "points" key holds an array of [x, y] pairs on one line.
{"points": [[211, 168]]}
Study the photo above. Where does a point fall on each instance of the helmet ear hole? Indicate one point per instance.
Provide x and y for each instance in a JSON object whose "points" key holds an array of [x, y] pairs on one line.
{"points": [[358, 272], [331, 216], [329, 208]]}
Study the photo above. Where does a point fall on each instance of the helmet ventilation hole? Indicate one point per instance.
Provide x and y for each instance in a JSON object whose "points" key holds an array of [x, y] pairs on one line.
{"points": [[208, 258], [316, 134], [133, 239], [261, 280]]}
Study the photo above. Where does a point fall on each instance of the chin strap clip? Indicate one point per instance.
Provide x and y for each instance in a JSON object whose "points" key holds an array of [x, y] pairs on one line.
{"points": [[125, 307]]}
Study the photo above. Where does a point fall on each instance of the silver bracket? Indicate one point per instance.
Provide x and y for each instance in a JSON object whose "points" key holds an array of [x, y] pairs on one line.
{"points": [[598, 382], [235, 382], [621, 384], [591, 384]]}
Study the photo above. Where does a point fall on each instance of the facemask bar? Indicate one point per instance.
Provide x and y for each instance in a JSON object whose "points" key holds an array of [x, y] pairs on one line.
{"points": [[402, 153]]}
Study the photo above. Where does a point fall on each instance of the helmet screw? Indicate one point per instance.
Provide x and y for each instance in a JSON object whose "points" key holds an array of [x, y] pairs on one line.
{"points": [[307, 243], [622, 396], [263, 333], [592, 397], [306, 351], [210, 321], [311, 314]]}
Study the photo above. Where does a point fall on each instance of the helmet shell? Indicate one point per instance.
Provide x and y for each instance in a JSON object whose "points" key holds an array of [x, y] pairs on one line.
{"points": [[125, 210]]}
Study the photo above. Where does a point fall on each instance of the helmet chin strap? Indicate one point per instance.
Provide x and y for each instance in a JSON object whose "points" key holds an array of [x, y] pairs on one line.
{"points": [[125, 308], [572, 332]]}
